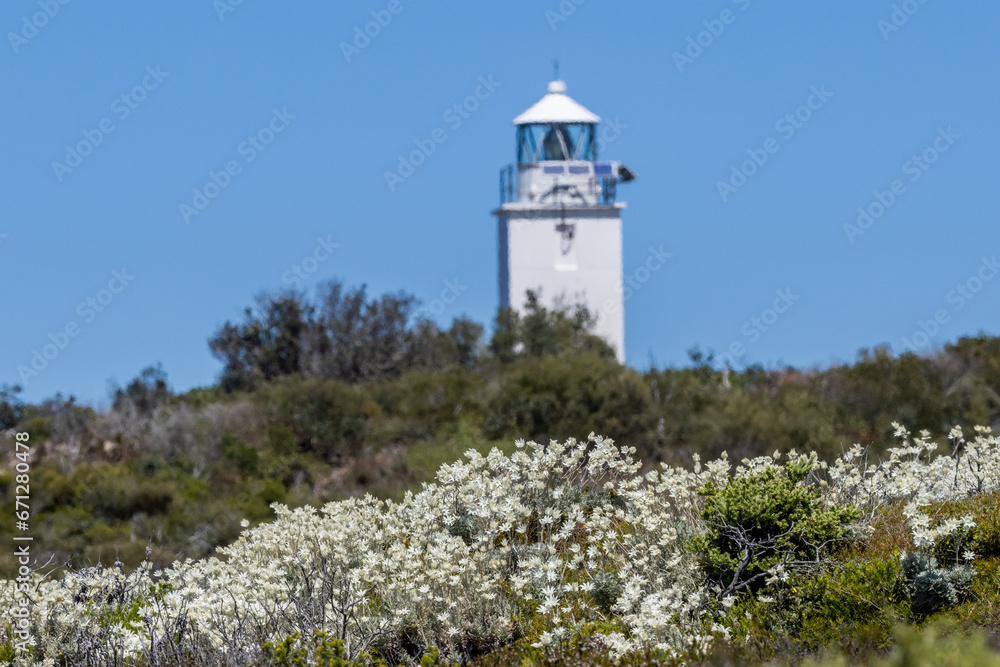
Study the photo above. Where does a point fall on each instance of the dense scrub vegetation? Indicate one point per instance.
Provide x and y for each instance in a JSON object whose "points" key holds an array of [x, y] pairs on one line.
{"points": [[347, 395], [565, 553], [354, 394]]}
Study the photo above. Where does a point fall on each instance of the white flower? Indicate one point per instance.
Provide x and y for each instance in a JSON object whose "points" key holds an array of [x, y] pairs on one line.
{"points": [[544, 640]]}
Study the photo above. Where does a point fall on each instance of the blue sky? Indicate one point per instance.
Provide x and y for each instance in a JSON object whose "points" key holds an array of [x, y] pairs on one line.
{"points": [[886, 82]]}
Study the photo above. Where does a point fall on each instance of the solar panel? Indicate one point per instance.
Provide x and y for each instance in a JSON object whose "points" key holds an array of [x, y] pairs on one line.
{"points": [[603, 169]]}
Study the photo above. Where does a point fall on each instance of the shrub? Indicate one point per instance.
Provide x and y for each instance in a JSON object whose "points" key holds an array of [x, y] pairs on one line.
{"points": [[328, 417], [244, 456], [934, 588], [766, 523], [854, 606], [569, 395]]}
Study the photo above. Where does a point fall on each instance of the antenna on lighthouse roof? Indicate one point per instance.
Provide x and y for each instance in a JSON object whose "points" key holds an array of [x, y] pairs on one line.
{"points": [[555, 66]]}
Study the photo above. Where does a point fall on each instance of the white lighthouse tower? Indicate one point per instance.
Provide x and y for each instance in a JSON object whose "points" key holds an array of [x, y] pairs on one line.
{"points": [[560, 228]]}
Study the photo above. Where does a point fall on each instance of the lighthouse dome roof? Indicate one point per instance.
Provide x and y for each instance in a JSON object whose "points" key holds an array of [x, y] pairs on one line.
{"points": [[557, 107]]}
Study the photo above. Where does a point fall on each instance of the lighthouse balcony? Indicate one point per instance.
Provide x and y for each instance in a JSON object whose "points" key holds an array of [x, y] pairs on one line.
{"points": [[560, 183]]}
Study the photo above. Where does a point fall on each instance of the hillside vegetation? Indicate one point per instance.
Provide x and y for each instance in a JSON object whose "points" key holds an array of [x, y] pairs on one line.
{"points": [[348, 395]]}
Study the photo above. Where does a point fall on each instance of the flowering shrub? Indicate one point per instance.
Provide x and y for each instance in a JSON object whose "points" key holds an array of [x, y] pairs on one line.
{"points": [[539, 547]]}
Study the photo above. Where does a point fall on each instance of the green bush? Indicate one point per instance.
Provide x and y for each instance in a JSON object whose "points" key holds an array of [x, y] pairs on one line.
{"points": [[571, 395], [425, 403], [761, 521], [244, 456], [329, 418], [854, 606]]}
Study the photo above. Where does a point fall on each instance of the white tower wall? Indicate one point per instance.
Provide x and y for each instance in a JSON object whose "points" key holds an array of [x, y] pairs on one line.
{"points": [[535, 254]]}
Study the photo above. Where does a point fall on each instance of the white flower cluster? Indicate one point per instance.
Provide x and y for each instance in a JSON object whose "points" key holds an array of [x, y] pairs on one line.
{"points": [[540, 542], [912, 473], [925, 533]]}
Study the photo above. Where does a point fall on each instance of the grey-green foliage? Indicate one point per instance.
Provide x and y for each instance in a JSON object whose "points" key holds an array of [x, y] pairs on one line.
{"points": [[462, 527], [607, 589], [933, 588]]}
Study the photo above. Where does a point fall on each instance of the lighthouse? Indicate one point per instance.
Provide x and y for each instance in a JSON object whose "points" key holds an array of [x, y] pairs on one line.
{"points": [[559, 221]]}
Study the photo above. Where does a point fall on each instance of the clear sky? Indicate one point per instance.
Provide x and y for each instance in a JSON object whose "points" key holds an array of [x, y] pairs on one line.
{"points": [[308, 114]]}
